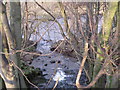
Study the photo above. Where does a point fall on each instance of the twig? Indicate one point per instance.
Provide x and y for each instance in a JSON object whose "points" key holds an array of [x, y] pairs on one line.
{"points": [[54, 19], [82, 65], [55, 84], [55, 70]]}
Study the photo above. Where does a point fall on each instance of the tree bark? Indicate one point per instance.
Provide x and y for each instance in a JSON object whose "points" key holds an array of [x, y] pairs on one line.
{"points": [[9, 72], [15, 24], [107, 27], [12, 80]]}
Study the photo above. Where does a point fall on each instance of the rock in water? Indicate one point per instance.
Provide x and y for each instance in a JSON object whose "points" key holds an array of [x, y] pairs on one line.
{"points": [[65, 48]]}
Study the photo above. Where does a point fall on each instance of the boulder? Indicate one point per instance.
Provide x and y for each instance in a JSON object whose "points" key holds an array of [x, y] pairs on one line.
{"points": [[65, 48]]}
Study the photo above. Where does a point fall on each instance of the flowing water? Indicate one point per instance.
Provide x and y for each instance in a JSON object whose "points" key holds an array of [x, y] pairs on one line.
{"points": [[58, 67], [55, 67]]}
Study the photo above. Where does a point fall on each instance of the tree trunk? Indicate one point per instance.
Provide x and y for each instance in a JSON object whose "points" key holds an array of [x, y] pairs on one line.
{"points": [[15, 24], [12, 80], [1, 81], [107, 26], [112, 81], [9, 72]]}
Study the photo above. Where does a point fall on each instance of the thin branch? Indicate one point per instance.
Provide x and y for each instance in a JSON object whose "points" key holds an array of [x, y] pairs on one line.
{"points": [[45, 10], [25, 75], [55, 84], [82, 65], [54, 19]]}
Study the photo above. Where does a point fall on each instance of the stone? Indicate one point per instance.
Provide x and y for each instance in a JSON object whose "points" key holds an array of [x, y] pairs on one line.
{"points": [[64, 49]]}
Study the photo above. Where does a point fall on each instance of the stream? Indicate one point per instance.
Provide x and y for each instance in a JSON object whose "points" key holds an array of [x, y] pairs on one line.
{"points": [[56, 68]]}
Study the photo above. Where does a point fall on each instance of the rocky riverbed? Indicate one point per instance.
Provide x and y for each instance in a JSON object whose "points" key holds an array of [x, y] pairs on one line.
{"points": [[57, 67]]}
